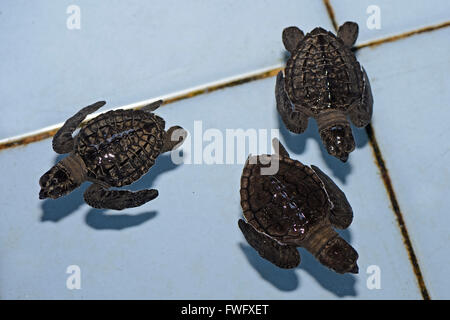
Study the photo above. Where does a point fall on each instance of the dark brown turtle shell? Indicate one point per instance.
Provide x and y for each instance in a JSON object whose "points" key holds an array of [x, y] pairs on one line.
{"points": [[120, 146], [286, 205], [323, 73]]}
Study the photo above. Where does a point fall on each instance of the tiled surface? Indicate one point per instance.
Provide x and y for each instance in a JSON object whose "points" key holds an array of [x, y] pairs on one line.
{"points": [[411, 124], [395, 16], [186, 243], [130, 51]]}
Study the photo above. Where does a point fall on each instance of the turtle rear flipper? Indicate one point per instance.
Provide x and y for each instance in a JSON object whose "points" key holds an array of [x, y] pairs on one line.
{"points": [[152, 106], [279, 148], [348, 32], [341, 214], [98, 197], [283, 256], [63, 140], [173, 138], [292, 36], [296, 121]]}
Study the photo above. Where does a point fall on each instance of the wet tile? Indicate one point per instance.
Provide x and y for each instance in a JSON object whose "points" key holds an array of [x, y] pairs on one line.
{"points": [[395, 16], [410, 85], [186, 244], [131, 52]]}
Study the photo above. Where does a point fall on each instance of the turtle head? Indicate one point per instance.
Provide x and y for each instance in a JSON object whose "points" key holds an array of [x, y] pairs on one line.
{"points": [[339, 141], [339, 256], [59, 180]]}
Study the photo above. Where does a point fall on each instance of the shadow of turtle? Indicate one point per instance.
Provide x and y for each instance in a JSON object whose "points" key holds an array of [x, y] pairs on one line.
{"points": [[282, 279], [297, 144], [56, 210], [98, 219], [340, 285], [285, 55]]}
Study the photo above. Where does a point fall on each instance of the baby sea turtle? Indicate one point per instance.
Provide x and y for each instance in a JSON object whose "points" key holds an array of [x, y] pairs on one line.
{"points": [[323, 80], [114, 149], [296, 207]]}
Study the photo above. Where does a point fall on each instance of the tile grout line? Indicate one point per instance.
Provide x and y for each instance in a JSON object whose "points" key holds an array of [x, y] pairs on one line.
{"points": [[48, 132], [331, 15], [381, 162], [377, 42]]}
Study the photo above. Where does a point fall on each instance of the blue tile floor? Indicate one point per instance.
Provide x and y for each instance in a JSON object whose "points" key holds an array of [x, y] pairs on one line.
{"points": [[185, 244]]}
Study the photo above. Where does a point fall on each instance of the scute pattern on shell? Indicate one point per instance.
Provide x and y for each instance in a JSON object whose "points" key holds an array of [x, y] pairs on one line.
{"points": [[119, 146], [285, 205], [323, 73]]}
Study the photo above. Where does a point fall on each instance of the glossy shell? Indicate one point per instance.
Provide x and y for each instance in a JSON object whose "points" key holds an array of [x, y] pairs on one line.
{"points": [[119, 146], [323, 74], [285, 206]]}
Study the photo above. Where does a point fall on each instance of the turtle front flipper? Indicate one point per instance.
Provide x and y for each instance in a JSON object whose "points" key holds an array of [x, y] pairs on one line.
{"points": [[283, 256], [361, 111], [174, 138], [98, 197], [295, 121], [341, 214], [63, 140]]}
